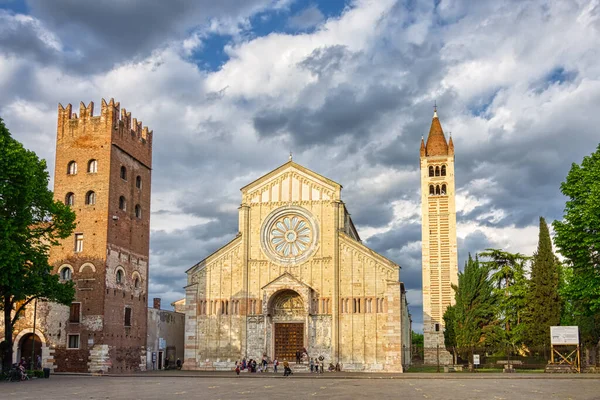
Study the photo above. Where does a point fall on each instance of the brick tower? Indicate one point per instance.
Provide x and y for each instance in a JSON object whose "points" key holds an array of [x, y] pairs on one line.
{"points": [[103, 170], [439, 257]]}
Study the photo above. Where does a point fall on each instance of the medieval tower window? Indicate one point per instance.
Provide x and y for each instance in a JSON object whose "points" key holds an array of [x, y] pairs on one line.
{"points": [[431, 190], [127, 316], [75, 313], [431, 173], [437, 190], [122, 203], [124, 173], [72, 168], [90, 198], [437, 171], [78, 242], [138, 182], [66, 273], [73, 342], [119, 276], [138, 211], [444, 188], [443, 170], [136, 283], [93, 166], [70, 199]]}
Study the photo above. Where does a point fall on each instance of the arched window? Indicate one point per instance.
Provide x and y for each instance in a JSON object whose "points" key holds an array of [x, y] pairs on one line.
{"points": [[431, 190], [138, 211], [122, 203], [93, 166], [124, 173], [430, 170], [90, 198], [136, 283], [444, 188], [138, 182], [443, 170], [72, 168], [119, 276], [66, 274], [437, 189], [437, 171], [70, 199]]}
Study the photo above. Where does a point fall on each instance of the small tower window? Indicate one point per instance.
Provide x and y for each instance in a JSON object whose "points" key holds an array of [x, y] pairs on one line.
{"points": [[78, 242], [66, 274], [124, 173], [70, 199], [437, 327], [122, 203], [93, 166], [119, 276], [72, 168], [431, 171], [90, 198], [136, 283], [444, 188], [127, 321], [138, 182], [437, 189], [138, 211], [443, 170], [431, 190], [437, 171]]}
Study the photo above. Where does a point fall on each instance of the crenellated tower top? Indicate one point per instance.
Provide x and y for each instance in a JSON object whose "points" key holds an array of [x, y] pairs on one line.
{"points": [[115, 122]]}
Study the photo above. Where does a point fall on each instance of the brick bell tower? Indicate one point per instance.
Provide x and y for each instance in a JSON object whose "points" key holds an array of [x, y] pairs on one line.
{"points": [[103, 171], [439, 255]]}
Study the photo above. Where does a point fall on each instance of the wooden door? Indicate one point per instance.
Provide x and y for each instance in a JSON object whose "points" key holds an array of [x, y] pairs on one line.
{"points": [[289, 338]]}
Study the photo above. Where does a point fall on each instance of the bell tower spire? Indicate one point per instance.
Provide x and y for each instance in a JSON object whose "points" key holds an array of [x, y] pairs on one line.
{"points": [[438, 233]]}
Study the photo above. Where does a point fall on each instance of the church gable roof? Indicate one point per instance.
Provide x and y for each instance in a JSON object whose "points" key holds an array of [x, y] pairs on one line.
{"points": [[324, 188], [286, 279]]}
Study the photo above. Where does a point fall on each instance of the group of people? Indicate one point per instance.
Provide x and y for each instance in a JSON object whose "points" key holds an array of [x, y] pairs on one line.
{"points": [[317, 365]]}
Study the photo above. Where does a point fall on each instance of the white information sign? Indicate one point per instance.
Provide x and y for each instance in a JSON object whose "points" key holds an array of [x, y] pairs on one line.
{"points": [[564, 335], [162, 343], [476, 359]]}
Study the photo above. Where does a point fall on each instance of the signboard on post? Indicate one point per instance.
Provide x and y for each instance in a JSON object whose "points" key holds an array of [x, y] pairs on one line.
{"points": [[476, 359], [564, 335]]}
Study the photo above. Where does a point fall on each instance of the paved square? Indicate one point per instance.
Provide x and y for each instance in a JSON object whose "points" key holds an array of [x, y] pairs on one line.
{"points": [[254, 387]]}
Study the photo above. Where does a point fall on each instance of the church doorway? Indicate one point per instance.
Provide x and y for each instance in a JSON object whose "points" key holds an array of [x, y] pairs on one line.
{"points": [[26, 345], [289, 338], [288, 317]]}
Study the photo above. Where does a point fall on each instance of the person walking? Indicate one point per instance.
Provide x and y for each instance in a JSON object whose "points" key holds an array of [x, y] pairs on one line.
{"points": [[275, 364], [312, 365]]}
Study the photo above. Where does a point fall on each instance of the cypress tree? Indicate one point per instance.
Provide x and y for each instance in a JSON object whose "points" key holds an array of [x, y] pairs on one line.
{"points": [[544, 305]]}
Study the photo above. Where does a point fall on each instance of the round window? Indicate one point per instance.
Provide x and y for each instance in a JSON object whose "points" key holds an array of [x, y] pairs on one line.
{"points": [[289, 235]]}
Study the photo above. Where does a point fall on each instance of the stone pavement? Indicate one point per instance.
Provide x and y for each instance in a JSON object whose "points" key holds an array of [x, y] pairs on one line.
{"points": [[220, 386]]}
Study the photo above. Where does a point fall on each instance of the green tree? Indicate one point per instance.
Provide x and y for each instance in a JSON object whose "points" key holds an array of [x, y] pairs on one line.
{"points": [[30, 223], [474, 310], [543, 301], [449, 332], [577, 238], [511, 286]]}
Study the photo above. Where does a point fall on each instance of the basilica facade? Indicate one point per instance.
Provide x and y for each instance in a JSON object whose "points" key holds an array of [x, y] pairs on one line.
{"points": [[296, 277]]}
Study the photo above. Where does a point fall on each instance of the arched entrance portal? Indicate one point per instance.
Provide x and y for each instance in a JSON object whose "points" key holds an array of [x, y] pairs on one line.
{"points": [[288, 318], [26, 344]]}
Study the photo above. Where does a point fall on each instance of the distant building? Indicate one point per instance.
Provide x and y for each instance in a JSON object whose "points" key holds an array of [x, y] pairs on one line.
{"points": [[296, 277], [165, 337], [179, 306], [439, 255], [103, 171]]}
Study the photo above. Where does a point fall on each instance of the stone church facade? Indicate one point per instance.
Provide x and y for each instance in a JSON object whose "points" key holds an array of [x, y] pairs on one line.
{"points": [[296, 276]]}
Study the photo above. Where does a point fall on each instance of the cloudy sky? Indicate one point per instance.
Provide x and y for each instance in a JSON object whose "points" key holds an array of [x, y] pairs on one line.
{"points": [[230, 87]]}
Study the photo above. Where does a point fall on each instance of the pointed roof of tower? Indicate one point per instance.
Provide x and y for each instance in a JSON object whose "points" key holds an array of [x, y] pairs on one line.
{"points": [[436, 141]]}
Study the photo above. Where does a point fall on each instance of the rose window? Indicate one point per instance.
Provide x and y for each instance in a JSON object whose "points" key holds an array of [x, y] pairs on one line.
{"points": [[289, 235]]}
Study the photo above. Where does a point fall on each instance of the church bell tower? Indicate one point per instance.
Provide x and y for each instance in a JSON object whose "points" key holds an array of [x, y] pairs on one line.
{"points": [[439, 255]]}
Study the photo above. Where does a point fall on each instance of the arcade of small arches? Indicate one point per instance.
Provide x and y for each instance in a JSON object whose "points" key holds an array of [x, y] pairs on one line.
{"points": [[437, 190], [437, 170]]}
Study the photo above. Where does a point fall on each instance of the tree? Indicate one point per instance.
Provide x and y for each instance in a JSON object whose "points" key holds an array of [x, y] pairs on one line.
{"points": [[577, 238], [511, 286], [474, 309], [543, 301], [578, 234], [449, 333], [30, 223]]}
